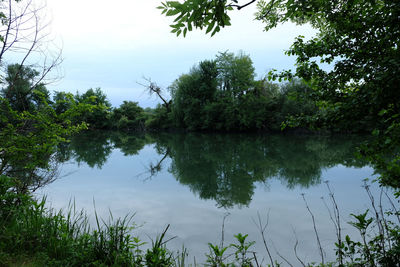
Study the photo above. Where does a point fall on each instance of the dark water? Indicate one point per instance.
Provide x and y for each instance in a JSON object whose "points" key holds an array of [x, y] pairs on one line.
{"points": [[191, 181]]}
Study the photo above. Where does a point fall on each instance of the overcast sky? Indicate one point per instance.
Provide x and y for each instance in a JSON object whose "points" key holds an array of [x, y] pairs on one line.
{"points": [[113, 44]]}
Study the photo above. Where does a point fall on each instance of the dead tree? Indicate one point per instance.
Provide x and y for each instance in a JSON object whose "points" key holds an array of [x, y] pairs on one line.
{"points": [[25, 40], [153, 88]]}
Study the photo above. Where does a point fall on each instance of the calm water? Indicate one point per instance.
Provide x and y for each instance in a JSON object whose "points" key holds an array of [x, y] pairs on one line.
{"points": [[191, 181]]}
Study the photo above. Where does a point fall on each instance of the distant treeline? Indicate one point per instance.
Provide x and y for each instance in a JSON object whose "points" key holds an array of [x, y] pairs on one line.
{"points": [[222, 94], [216, 95]]}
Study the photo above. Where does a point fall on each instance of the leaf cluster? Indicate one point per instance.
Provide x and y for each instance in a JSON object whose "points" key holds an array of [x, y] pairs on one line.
{"points": [[209, 14]]}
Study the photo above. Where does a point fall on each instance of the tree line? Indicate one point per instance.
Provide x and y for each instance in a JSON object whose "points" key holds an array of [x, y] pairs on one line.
{"points": [[215, 95]]}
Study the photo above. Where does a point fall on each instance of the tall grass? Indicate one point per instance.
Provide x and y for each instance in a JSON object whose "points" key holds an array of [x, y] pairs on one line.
{"points": [[33, 235], [55, 238]]}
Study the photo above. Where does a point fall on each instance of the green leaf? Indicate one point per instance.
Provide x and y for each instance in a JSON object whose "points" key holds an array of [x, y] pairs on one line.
{"points": [[215, 31], [174, 4], [172, 12], [382, 112], [210, 27]]}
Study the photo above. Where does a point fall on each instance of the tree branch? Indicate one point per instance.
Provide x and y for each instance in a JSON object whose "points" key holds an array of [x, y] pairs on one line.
{"points": [[152, 87], [239, 7]]}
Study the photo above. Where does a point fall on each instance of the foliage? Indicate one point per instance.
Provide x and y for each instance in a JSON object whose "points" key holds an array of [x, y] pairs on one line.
{"points": [[159, 119], [29, 228], [383, 151], [191, 93], [63, 102], [351, 36], [32, 127], [129, 116], [223, 95], [98, 117], [197, 14], [236, 73], [358, 39], [216, 95], [159, 255], [383, 249], [242, 250], [22, 91], [28, 141]]}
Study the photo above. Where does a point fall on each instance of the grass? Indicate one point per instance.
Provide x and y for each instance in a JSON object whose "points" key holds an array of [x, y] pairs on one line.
{"points": [[31, 231], [33, 235]]}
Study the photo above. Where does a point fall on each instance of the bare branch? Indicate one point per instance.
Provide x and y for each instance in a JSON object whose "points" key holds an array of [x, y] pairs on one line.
{"points": [[280, 255], [315, 230], [396, 211], [336, 222], [262, 228], [153, 88], [26, 36], [239, 7], [295, 249]]}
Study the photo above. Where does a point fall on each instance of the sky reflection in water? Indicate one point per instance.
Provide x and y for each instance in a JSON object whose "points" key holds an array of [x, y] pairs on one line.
{"points": [[192, 180]]}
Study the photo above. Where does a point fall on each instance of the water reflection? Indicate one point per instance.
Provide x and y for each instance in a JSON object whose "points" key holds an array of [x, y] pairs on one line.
{"points": [[223, 167]]}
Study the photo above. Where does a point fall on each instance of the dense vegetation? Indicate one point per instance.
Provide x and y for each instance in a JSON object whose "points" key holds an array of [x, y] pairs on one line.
{"points": [[360, 93], [37, 236], [359, 39], [216, 95], [223, 95]]}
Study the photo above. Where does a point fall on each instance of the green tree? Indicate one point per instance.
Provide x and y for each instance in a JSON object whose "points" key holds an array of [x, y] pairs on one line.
{"points": [[129, 116], [192, 92], [159, 118], [30, 129], [21, 88], [209, 96], [296, 101], [359, 38], [28, 142], [100, 108], [236, 73], [24, 39], [62, 102]]}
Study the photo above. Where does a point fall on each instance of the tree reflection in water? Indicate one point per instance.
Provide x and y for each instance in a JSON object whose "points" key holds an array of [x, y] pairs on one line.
{"points": [[223, 167]]}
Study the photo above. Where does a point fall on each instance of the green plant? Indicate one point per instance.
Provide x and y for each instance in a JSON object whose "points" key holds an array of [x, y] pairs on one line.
{"points": [[242, 249], [29, 228], [158, 255], [216, 256]]}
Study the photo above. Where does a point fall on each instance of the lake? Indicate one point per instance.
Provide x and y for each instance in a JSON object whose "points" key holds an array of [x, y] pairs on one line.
{"points": [[192, 181]]}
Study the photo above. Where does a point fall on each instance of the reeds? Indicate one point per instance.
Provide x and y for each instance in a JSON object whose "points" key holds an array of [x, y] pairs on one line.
{"points": [[29, 230]]}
